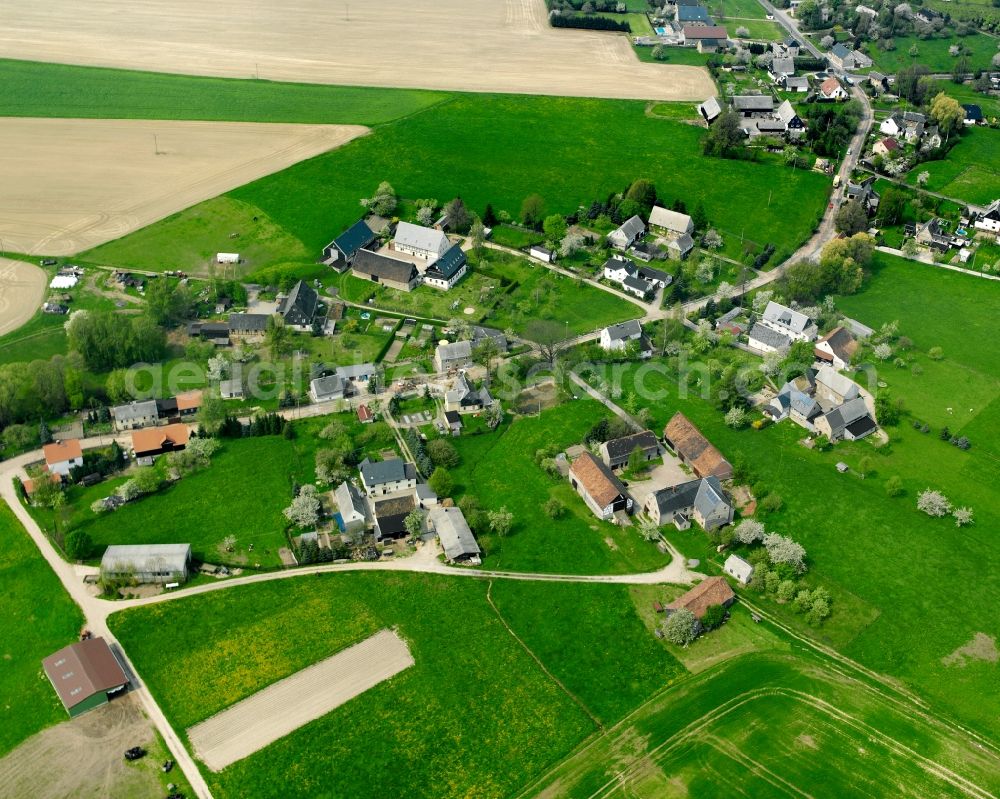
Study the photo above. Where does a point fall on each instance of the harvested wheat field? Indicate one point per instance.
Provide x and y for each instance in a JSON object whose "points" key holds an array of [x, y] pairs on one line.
{"points": [[283, 707], [22, 289], [464, 45], [71, 184]]}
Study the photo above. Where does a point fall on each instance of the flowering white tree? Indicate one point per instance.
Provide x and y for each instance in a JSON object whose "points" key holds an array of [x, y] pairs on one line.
{"points": [[736, 417], [761, 299], [712, 240], [304, 510], [749, 531], [218, 367], [771, 363], [725, 290], [705, 271], [933, 503], [923, 177], [681, 627], [782, 549], [883, 352], [425, 215], [129, 490], [571, 243], [742, 32], [963, 516]]}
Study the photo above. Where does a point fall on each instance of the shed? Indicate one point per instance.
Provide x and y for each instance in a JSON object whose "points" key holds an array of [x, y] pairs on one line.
{"points": [[736, 567], [85, 675], [457, 540]]}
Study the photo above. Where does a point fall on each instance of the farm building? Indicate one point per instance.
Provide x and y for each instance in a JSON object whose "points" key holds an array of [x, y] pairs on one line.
{"points": [[422, 242], [365, 415], [447, 270], [85, 675], [391, 272], [61, 456], [684, 439], [147, 444], [711, 591], [352, 510], [542, 253], [702, 500], [232, 388], [669, 222], [248, 325], [390, 516], [227, 257], [387, 477], [184, 404], [135, 415], [736, 567], [617, 452], [341, 251], [601, 490], [147, 563], [837, 347], [457, 540], [626, 234]]}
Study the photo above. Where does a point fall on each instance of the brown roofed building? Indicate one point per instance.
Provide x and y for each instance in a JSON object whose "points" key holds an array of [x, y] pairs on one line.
{"points": [[711, 591], [152, 441], [694, 449], [85, 675], [596, 483], [837, 347], [61, 456], [189, 402]]}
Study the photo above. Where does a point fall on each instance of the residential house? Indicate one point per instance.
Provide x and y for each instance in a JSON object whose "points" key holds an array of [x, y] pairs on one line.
{"points": [[601, 490], [738, 568], [973, 114], [617, 452], [232, 388], [706, 38], [454, 355], [844, 58], [299, 307], [837, 347], [463, 398], [670, 223], [781, 67], [454, 421], [932, 234], [710, 591], [988, 219], [833, 388], [150, 442], [248, 325], [135, 414], [341, 251], [789, 48], [391, 272], [710, 109], [763, 339], [752, 105], [327, 388], [908, 125], [830, 89], [387, 477], [879, 82], [356, 374], [794, 324], [625, 334], [887, 147], [625, 272], [147, 563], [795, 83], [86, 674], [786, 114], [693, 449], [422, 242], [679, 248], [390, 516], [62, 456], [365, 415], [447, 270], [692, 15], [352, 510], [480, 334], [864, 194], [543, 254], [795, 402], [626, 234], [702, 500], [850, 421], [453, 531]]}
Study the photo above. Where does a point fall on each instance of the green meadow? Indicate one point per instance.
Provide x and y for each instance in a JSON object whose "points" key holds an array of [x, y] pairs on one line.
{"points": [[970, 171]]}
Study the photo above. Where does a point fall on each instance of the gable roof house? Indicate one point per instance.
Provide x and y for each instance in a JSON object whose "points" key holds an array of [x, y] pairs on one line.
{"points": [[702, 500], [135, 414], [691, 13], [463, 398], [763, 339], [618, 337], [62, 456], [299, 307], [973, 114], [794, 324], [670, 223], [786, 114], [85, 675], [864, 194], [830, 89], [248, 325], [795, 402], [710, 591], [617, 452], [455, 535], [749, 105], [447, 270], [795, 83], [150, 442], [391, 272], [626, 234], [679, 248], [932, 234], [706, 38], [479, 334], [850, 421], [988, 219], [379, 478], [327, 388], [687, 442], [341, 251], [710, 109], [837, 347], [147, 563], [626, 273], [657, 277], [833, 388], [352, 510], [452, 355], [603, 493], [844, 58], [390, 516], [781, 68], [187, 403], [886, 147], [422, 242], [736, 567]]}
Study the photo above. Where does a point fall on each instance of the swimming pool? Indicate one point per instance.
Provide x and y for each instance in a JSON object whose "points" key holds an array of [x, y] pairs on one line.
{"points": [[661, 31]]}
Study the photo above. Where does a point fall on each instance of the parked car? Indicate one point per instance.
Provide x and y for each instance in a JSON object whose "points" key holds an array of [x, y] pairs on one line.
{"points": [[135, 753]]}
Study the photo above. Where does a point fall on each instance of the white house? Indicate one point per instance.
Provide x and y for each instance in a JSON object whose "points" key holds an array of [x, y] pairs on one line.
{"points": [[736, 567], [988, 220], [61, 456], [324, 389], [620, 336], [447, 270], [671, 223], [422, 242], [452, 355], [387, 477], [542, 253], [352, 508], [837, 347], [763, 340], [624, 236], [797, 326], [830, 89]]}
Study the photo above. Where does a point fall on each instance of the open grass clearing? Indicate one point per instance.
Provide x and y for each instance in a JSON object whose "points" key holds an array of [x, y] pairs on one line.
{"points": [[463, 45], [933, 53], [970, 171], [72, 184], [724, 12]]}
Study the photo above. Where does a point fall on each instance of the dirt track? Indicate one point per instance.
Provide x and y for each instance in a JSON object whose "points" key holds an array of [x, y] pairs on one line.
{"points": [[465, 45], [22, 289], [283, 707], [71, 184]]}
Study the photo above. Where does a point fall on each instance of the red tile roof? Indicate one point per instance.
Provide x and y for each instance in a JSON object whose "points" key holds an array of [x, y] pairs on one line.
{"points": [[712, 591], [696, 450], [60, 451], [153, 439], [597, 479]]}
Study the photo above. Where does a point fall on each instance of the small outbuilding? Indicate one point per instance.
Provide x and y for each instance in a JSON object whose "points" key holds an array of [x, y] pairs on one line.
{"points": [[85, 675], [736, 567]]}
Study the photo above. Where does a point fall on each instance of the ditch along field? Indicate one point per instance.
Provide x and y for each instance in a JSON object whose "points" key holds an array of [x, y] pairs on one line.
{"points": [[893, 572], [22, 289], [461, 45], [71, 184], [474, 716]]}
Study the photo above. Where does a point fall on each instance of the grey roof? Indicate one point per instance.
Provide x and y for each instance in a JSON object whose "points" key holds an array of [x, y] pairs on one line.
{"points": [[771, 338], [354, 238], [796, 82], [753, 102], [786, 113], [350, 503], [453, 532], [448, 264], [684, 243], [840, 50], [146, 558], [739, 568], [637, 284], [248, 322], [375, 473], [135, 410], [840, 384], [355, 370], [371, 263], [328, 386], [624, 330], [619, 448], [786, 317], [710, 497], [710, 109], [704, 495], [420, 238], [671, 220], [860, 330], [783, 66], [648, 273], [480, 333], [454, 351], [299, 307], [424, 491], [800, 402], [466, 396], [846, 414], [631, 227]]}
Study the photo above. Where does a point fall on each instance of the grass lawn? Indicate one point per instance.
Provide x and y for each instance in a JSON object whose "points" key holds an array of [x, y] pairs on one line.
{"points": [[967, 94], [40, 338], [688, 56], [38, 618], [725, 12], [969, 172], [500, 149], [769, 726], [758, 29], [35, 89], [933, 53], [498, 468], [474, 695], [516, 237]]}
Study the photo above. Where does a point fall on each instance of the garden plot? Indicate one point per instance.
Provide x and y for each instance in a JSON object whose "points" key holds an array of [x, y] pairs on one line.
{"points": [[71, 184], [466, 45], [305, 696]]}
